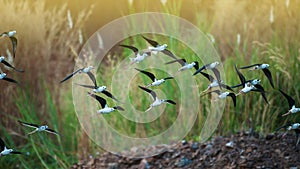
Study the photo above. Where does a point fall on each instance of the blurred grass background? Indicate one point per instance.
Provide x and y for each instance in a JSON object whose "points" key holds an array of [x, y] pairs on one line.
{"points": [[244, 32]]}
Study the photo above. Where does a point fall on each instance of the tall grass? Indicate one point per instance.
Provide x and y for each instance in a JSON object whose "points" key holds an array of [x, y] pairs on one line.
{"points": [[46, 51]]}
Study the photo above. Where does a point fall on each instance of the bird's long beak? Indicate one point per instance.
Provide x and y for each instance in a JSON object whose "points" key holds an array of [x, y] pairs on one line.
{"points": [[238, 93], [286, 114], [148, 86]]}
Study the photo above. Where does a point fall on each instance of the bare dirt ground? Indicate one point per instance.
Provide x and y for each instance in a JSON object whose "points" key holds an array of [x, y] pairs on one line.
{"points": [[242, 150]]}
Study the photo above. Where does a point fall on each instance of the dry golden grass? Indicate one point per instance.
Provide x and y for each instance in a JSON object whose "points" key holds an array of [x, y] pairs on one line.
{"points": [[44, 50]]}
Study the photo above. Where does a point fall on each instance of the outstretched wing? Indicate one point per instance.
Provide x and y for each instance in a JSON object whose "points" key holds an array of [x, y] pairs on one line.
{"points": [[289, 99], [9, 65], [209, 77], [28, 124], [92, 77], [100, 99], [134, 49], [170, 102], [10, 80], [70, 75], [269, 76], [51, 131], [232, 95], [14, 42], [242, 78], [150, 75], [2, 144], [86, 86], [246, 67], [108, 94], [151, 92], [169, 53], [151, 42], [182, 62]]}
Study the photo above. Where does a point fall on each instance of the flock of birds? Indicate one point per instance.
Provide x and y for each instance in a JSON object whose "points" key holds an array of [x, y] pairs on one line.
{"points": [[216, 85]]}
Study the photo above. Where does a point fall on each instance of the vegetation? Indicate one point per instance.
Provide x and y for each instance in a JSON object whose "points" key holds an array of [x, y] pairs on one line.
{"points": [[243, 33]]}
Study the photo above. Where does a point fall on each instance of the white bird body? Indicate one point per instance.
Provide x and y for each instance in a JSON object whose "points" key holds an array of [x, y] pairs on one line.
{"points": [[294, 126], [139, 57], [158, 48], [106, 110], [213, 65], [247, 88], [157, 82], [294, 109], [6, 151], [99, 89], [157, 102], [2, 75], [214, 84], [223, 95], [87, 69], [262, 66], [11, 33], [187, 66]]}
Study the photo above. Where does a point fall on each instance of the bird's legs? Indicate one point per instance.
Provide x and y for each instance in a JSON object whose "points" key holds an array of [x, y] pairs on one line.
{"points": [[33, 131]]}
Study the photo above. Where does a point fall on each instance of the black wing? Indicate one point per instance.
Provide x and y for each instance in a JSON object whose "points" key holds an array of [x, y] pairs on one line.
{"points": [[15, 152], [217, 74], [92, 77], [289, 99], [100, 99], [29, 124], [86, 86], [284, 126], [196, 65], [9, 65], [199, 70], [151, 42], [52, 131], [242, 78], [134, 49], [109, 95], [10, 80], [269, 76], [14, 42], [150, 75], [2, 144], [232, 95], [169, 53], [240, 84], [153, 94], [168, 78], [225, 86], [119, 108], [182, 62], [215, 91], [70, 75], [209, 77], [170, 101], [260, 89], [246, 67]]}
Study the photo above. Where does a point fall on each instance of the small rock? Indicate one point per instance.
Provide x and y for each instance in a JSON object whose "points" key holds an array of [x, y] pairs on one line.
{"points": [[183, 162], [184, 142], [195, 145], [113, 165], [229, 144]]}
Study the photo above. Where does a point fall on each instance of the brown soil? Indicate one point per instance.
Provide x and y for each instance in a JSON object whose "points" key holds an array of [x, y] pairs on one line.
{"points": [[237, 151]]}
